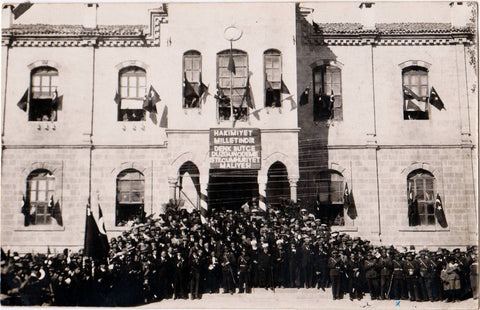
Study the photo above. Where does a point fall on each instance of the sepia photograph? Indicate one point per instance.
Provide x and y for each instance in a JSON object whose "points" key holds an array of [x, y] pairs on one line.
{"points": [[240, 155]]}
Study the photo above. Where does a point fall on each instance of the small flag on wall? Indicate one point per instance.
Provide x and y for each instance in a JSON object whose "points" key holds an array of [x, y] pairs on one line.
{"points": [[22, 104], [435, 99]]}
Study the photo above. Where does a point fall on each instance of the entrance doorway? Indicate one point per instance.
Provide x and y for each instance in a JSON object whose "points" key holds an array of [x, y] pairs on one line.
{"points": [[230, 189], [278, 188]]}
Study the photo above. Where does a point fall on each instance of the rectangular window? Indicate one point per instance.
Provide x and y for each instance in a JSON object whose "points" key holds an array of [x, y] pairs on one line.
{"points": [[43, 87], [133, 87], [192, 68], [415, 93], [423, 191], [273, 78], [327, 82], [41, 189], [238, 81]]}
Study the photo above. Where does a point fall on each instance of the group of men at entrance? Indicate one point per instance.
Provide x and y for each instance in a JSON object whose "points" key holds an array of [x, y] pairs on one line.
{"points": [[177, 255]]}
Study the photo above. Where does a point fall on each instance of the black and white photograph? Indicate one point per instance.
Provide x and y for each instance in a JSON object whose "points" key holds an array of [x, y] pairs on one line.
{"points": [[240, 154]]}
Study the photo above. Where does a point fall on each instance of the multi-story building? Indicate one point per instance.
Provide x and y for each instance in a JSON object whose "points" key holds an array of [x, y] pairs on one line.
{"points": [[131, 105], [370, 122], [82, 131]]}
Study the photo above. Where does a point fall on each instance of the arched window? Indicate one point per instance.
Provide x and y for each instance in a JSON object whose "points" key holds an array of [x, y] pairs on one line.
{"points": [[237, 78], [130, 196], [192, 68], [327, 96], [330, 188], [421, 198], [415, 92], [43, 94], [39, 203], [132, 85], [273, 77]]}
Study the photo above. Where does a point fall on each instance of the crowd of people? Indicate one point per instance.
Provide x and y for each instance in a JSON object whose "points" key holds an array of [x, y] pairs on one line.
{"points": [[184, 255]]}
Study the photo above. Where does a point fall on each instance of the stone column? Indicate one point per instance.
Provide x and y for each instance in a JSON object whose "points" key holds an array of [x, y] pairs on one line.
{"points": [[293, 188], [203, 191], [262, 192], [172, 185]]}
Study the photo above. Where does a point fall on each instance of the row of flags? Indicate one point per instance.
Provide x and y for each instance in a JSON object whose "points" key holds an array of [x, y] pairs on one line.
{"points": [[56, 100], [96, 243], [29, 211], [414, 102], [414, 214]]}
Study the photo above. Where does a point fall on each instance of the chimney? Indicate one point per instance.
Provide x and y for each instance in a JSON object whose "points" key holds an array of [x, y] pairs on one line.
{"points": [[368, 15], [460, 14], [7, 16], [90, 19]]}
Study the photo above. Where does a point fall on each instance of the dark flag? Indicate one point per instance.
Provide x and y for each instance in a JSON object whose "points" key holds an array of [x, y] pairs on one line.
{"points": [[435, 99], [150, 100], [101, 227], [248, 98], [188, 90], [202, 89], [346, 200], [57, 213], [439, 212], [284, 88], [48, 251], [26, 210], [22, 104], [352, 208], [21, 8], [57, 101], [94, 246], [117, 97], [50, 205], [231, 63], [305, 96], [413, 216]]}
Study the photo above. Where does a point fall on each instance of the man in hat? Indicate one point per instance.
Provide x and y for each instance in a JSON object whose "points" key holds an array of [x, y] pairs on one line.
{"points": [[386, 268], [243, 267], [336, 266], [398, 277], [372, 269], [411, 276]]}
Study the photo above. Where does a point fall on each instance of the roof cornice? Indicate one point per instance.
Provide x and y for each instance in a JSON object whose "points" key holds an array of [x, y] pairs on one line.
{"points": [[79, 36]]}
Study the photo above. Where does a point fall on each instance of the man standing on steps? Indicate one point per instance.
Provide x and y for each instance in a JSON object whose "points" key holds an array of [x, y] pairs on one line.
{"points": [[335, 264]]}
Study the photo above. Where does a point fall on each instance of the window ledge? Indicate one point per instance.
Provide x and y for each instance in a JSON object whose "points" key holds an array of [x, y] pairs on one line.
{"points": [[344, 228], [40, 228], [44, 125], [132, 125], [424, 229]]}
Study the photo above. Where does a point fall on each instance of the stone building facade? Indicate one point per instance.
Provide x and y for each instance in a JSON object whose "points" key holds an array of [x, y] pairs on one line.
{"points": [[97, 144], [372, 139], [78, 124]]}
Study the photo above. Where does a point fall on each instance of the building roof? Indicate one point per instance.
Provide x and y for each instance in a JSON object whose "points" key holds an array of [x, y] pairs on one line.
{"points": [[389, 28], [74, 30]]}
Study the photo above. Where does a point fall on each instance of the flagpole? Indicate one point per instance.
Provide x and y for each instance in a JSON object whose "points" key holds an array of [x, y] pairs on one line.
{"points": [[231, 89]]}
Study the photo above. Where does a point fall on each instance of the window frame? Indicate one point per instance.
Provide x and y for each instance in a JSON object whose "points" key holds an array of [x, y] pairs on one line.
{"points": [[193, 54], [41, 106], [236, 91], [320, 114], [136, 207], [423, 204], [331, 178], [409, 72], [35, 178], [129, 115], [273, 97]]}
